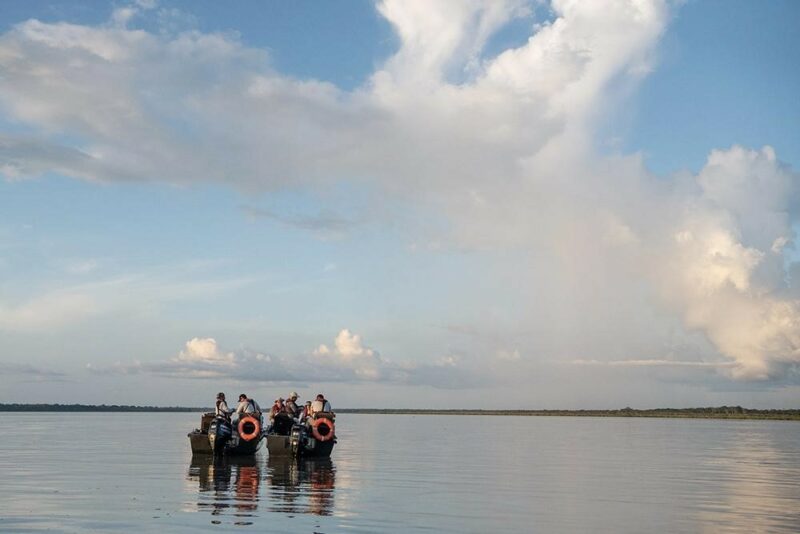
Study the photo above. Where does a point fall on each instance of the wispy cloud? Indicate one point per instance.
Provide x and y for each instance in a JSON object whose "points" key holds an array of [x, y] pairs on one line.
{"points": [[326, 225], [73, 304], [37, 373], [656, 363]]}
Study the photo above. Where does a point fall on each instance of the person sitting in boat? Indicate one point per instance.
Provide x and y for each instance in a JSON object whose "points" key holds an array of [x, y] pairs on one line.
{"points": [[291, 407], [305, 411], [320, 404], [221, 407], [247, 405], [276, 408]]}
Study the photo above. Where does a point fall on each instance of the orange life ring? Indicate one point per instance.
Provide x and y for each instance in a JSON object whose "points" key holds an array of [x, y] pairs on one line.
{"points": [[315, 431], [247, 436]]}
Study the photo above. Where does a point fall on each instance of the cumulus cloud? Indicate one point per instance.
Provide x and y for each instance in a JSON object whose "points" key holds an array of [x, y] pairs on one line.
{"points": [[723, 270], [347, 360], [610, 260]]}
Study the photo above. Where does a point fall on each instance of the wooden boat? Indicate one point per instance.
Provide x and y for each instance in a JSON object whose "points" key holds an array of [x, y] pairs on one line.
{"points": [[312, 439], [217, 436]]}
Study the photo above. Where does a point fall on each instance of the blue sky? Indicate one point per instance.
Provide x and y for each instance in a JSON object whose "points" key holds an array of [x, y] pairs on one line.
{"points": [[400, 204]]}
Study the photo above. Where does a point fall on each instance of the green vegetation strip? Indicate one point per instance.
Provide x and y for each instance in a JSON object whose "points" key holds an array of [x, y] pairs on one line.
{"points": [[719, 412]]}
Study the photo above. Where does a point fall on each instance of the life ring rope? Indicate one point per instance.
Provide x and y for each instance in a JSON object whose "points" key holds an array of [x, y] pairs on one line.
{"points": [[315, 430], [248, 436]]}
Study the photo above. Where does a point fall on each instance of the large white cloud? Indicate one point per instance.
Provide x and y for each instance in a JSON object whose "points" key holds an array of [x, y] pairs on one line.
{"points": [[608, 258]]}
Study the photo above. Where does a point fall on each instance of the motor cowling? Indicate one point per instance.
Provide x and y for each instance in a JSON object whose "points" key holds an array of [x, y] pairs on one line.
{"points": [[219, 433], [297, 439]]}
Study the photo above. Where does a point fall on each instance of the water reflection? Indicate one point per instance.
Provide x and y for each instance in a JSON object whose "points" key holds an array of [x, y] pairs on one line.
{"points": [[757, 481], [227, 486], [301, 486], [231, 486]]}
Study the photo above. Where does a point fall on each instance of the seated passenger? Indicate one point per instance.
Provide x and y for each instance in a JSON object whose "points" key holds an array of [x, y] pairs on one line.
{"points": [[275, 409], [320, 404], [291, 405], [305, 411], [247, 405]]}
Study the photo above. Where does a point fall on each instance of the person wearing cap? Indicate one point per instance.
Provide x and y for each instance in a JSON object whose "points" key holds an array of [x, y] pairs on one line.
{"points": [[247, 405], [291, 405], [221, 407]]}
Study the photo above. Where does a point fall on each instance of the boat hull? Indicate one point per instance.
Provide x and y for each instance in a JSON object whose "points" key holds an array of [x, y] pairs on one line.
{"points": [[311, 448], [218, 437], [202, 445]]}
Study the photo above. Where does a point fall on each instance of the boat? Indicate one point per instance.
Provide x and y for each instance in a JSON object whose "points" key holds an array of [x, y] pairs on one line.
{"points": [[217, 436], [313, 438]]}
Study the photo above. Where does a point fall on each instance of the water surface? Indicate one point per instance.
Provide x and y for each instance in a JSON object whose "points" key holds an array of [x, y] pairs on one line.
{"points": [[401, 473]]}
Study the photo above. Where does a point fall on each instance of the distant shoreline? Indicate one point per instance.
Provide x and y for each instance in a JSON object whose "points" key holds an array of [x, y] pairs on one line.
{"points": [[719, 412]]}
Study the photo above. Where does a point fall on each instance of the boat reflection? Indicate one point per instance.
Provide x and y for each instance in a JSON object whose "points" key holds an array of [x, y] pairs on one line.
{"points": [[227, 485], [304, 486]]}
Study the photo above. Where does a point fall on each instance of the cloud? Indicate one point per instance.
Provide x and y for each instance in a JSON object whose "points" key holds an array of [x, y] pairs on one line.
{"points": [[67, 306], [655, 363], [325, 224], [406, 127], [348, 360], [722, 268], [494, 154], [31, 371], [48, 311]]}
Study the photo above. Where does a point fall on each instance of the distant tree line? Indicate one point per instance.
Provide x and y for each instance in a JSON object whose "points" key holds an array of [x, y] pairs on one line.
{"points": [[95, 408], [715, 412]]}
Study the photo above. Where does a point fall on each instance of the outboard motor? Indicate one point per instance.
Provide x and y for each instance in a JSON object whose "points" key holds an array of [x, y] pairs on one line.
{"points": [[297, 439], [219, 432]]}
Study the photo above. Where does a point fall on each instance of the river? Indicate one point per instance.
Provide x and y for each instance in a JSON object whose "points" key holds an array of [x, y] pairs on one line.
{"points": [[134, 472]]}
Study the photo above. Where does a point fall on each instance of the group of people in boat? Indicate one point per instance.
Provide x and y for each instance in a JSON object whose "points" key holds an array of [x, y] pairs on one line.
{"points": [[288, 406]]}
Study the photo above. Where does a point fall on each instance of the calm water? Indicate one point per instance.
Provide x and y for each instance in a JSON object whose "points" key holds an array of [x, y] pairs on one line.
{"points": [[406, 474]]}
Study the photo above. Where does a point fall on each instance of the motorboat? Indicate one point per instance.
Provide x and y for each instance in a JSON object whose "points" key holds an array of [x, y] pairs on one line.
{"points": [[217, 435], [312, 438]]}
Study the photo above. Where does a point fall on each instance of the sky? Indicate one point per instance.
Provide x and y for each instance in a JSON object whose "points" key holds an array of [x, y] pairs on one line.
{"points": [[449, 204]]}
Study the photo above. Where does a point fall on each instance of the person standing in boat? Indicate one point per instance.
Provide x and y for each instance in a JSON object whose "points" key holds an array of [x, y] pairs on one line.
{"points": [[291, 405], [221, 409]]}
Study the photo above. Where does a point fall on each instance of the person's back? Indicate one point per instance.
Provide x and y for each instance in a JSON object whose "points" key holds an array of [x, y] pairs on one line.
{"points": [[221, 407], [320, 404], [276, 409]]}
